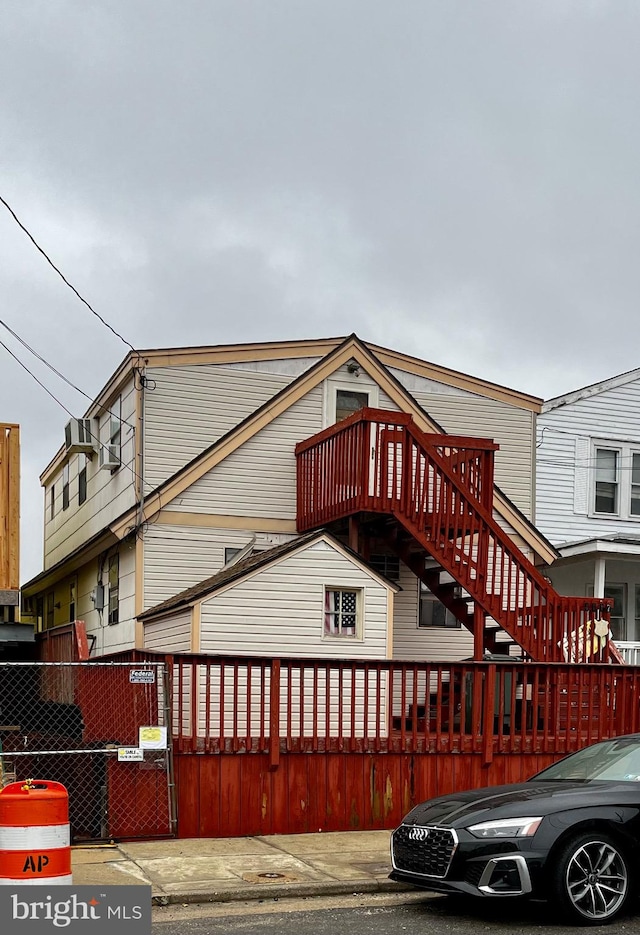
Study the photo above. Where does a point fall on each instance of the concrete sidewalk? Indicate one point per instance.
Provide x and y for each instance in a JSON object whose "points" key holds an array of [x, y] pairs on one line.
{"points": [[228, 869]]}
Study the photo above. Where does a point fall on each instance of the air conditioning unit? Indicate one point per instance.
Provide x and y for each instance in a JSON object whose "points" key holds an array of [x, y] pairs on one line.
{"points": [[109, 457], [79, 437]]}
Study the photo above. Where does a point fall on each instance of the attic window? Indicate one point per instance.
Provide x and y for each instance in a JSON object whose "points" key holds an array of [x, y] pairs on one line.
{"points": [[348, 402]]}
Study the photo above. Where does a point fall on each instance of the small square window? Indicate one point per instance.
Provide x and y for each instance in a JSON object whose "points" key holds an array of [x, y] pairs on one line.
{"points": [[341, 613], [432, 613], [348, 402]]}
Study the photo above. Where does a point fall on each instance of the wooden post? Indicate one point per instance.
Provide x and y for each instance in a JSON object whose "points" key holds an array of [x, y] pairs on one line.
{"points": [[478, 632], [274, 716], [354, 533], [488, 715]]}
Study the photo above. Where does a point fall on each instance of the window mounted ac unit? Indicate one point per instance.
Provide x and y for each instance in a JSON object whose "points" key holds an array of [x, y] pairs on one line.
{"points": [[109, 457], [79, 437]]}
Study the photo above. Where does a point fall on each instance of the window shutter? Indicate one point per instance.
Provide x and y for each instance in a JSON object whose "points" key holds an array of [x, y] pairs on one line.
{"points": [[581, 486]]}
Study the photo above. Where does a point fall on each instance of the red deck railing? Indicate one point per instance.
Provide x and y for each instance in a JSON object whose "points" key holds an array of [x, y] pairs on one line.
{"points": [[440, 489], [224, 704]]}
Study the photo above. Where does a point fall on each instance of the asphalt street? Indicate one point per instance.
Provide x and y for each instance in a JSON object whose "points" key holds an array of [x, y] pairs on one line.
{"points": [[374, 915]]}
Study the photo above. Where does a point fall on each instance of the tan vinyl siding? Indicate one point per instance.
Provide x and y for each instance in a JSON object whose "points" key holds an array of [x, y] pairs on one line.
{"points": [[415, 644], [169, 635], [178, 557], [191, 407], [259, 479], [462, 413], [108, 494], [513, 429], [280, 610]]}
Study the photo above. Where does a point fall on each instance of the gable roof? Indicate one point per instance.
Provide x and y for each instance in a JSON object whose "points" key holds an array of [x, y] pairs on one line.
{"points": [[593, 389], [352, 348], [285, 350], [255, 562]]}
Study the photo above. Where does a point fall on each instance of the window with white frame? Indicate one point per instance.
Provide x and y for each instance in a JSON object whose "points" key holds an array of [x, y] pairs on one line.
{"points": [[607, 480], [616, 481], [82, 480], [343, 398], [114, 588], [342, 612], [115, 431]]}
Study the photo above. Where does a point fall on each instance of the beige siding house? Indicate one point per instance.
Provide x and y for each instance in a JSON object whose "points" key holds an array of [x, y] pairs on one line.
{"points": [[205, 480]]}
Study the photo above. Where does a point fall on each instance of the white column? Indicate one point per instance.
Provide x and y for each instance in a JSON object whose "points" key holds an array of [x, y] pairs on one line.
{"points": [[599, 576]]}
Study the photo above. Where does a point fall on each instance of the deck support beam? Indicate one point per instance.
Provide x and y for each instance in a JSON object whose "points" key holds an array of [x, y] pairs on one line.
{"points": [[478, 633]]}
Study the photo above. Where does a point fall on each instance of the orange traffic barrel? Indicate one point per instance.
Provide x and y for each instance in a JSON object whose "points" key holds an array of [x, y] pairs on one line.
{"points": [[34, 833]]}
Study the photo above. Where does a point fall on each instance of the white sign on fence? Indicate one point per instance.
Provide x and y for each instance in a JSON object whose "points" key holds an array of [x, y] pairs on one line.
{"points": [[142, 676], [130, 754], [152, 738]]}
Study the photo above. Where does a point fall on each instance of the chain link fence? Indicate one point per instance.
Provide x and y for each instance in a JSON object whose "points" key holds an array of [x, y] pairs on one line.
{"points": [[103, 730]]}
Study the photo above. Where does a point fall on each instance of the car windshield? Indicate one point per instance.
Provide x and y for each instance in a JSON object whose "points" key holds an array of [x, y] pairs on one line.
{"points": [[617, 760]]}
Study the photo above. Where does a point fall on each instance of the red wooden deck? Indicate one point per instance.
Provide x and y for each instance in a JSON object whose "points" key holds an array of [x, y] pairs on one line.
{"points": [[288, 745], [431, 496]]}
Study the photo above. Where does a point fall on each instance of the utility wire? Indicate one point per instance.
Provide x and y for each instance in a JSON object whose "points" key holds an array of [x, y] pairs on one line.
{"points": [[53, 369], [39, 382], [61, 274], [126, 464]]}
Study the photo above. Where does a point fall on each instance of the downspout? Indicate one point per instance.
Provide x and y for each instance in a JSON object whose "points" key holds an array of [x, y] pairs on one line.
{"points": [[141, 454]]}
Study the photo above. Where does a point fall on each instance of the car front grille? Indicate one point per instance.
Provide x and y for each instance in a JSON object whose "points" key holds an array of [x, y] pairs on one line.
{"points": [[423, 850]]}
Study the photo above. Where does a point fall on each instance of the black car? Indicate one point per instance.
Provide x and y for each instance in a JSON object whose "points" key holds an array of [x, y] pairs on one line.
{"points": [[571, 835]]}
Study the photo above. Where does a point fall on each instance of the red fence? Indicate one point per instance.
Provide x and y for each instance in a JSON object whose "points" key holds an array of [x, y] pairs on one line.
{"points": [[223, 704], [290, 745]]}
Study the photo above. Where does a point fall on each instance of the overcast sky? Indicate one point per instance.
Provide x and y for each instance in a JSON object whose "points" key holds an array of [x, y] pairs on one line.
{"points": [[457, 180]]}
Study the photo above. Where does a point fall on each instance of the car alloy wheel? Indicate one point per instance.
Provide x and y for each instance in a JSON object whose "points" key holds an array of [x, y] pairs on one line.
{"points": [[593, 878]]}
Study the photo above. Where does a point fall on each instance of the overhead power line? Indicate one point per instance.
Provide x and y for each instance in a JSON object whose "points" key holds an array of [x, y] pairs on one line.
{"points": [[61, 274], [96, 438], [53, 369], [39, 382]]}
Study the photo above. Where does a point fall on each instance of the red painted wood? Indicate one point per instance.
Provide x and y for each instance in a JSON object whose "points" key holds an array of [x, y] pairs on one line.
{"points": [[341, 792], [453, 477]]}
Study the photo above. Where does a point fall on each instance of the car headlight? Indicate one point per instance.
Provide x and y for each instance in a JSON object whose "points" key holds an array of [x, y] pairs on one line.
{"points": [[506, 828]]}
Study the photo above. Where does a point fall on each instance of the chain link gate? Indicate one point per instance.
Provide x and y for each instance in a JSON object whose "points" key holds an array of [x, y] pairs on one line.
{"points": [[103, 730]]}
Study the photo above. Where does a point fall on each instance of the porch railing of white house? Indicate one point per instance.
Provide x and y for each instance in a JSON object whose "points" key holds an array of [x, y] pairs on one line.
{"points": [[630, 651], [225, 704]]}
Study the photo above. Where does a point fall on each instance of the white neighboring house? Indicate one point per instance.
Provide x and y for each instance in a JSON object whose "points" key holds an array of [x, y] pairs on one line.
{"points": [[187, 457], [588, 497]]}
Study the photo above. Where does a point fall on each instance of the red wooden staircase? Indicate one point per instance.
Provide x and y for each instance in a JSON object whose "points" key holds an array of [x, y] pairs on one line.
{"points": [[431, 498]]}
